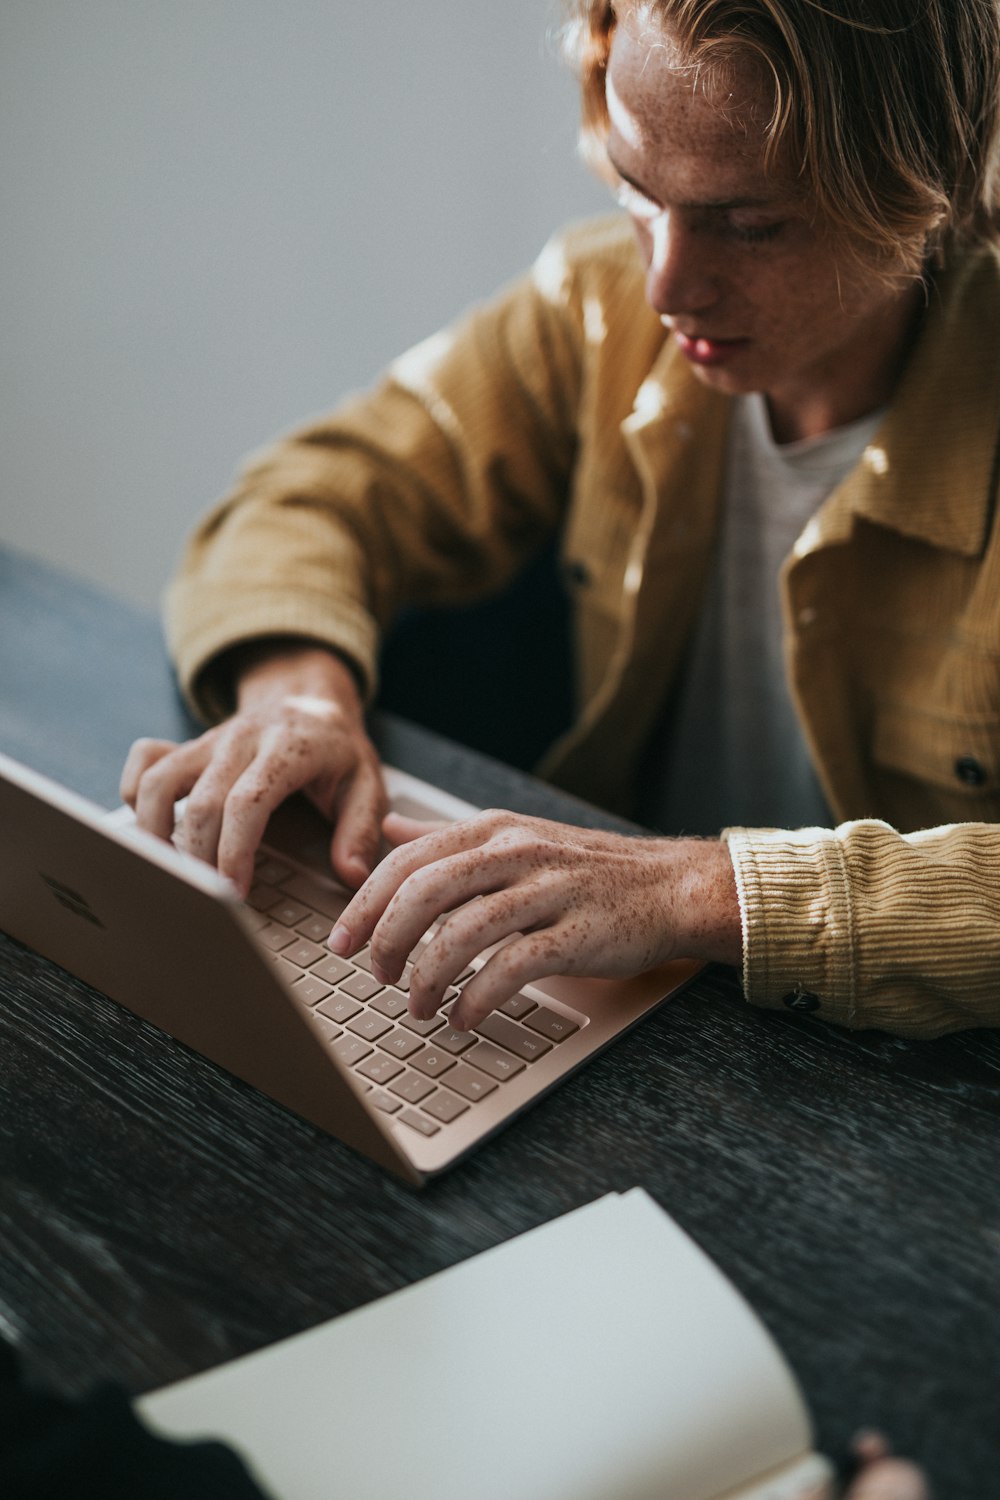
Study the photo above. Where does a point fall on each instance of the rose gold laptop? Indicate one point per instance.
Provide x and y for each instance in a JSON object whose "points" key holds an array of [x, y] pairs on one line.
{"points": [[253, 987]]}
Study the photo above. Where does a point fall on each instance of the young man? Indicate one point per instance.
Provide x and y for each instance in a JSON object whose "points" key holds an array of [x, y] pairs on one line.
{"points": [[766, 435]]}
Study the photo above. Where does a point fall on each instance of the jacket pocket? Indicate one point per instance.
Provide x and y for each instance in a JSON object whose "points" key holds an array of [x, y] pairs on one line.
{"points": [[956, 755]]}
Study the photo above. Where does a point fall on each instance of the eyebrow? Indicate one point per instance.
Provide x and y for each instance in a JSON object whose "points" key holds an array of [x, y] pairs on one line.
{"points": [[717, 204]]}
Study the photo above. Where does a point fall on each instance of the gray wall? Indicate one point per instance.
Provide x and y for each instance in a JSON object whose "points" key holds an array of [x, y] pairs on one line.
{"points": [[217, 216]]}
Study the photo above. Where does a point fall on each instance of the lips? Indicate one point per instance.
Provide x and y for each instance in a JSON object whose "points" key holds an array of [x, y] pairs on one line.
{"points": [[701, 350]]}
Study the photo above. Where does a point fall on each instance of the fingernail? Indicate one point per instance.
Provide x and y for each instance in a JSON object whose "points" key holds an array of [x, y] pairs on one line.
{"points": [[339, 940]]}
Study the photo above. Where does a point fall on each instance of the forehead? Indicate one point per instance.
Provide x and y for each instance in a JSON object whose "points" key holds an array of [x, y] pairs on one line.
{"points": [[672, 120]]}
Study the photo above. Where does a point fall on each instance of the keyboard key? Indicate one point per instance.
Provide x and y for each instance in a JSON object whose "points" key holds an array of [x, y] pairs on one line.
{"points": [[262, 897], [390, 1003], [434, 1063], [422, 1028], [469, 1083], [514, 1038], [324, 898], [494, 1062], [403, 982], [327, 1030], [385, 1102], [363, 959], [444, 1106], [274, 937], [518, 1006], [310, 990], [351, 1049], [256, 919], [401, 1043], [338, 1008], [332, 969], [290, 973], [419, 1122], [302, 953], [288, 912], [379, 1068], [452, 1040], [370, 1025], [270, 869], [551, 1024], [413, 1087], [315, 928], [361, 986]]}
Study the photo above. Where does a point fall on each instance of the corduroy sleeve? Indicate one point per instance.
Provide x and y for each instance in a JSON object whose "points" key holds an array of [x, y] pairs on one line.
{"points": [[872, 928]]}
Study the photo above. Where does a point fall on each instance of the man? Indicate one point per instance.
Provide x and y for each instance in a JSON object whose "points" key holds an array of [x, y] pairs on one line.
{"points": [[768, 446]]}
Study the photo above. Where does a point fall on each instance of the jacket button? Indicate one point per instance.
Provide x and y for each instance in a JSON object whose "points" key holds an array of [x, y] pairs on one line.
{"points": [[969, 771], [801, 999]]}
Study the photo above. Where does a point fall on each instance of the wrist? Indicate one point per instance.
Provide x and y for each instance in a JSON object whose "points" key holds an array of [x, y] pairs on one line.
{"points": [[265, 670], [706, 907]]}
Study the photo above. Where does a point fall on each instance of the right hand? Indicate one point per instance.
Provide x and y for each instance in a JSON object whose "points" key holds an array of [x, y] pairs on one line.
{"points": [[298, 726]]}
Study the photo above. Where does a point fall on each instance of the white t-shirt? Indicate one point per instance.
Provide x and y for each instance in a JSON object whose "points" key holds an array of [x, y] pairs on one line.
{"points": [[729, 749]]}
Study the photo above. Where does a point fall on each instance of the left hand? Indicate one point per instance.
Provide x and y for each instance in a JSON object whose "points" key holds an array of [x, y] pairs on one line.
{"points": [[567, 900]]}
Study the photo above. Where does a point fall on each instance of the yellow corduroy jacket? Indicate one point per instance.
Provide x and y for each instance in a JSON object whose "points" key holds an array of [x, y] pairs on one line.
{"points": [[562, 407]]}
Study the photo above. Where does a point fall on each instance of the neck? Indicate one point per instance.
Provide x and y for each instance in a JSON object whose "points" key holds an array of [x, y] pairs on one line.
{"points": [[862, 379]]}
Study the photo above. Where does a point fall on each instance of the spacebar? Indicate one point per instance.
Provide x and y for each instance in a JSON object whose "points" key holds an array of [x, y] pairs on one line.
{"points": [[322, 898]]}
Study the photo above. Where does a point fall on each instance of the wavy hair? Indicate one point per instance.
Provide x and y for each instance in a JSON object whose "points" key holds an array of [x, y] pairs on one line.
{"points": [[887, 110]]}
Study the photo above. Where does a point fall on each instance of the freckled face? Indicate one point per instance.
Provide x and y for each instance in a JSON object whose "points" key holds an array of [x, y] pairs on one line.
{"points": [[757, 295]]}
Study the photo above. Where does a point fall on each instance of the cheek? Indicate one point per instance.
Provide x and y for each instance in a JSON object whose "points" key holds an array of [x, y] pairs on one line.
{"points": [[789, 300]]}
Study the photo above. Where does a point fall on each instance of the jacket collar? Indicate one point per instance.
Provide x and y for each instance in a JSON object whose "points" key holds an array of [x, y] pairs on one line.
{"points": [[930, 471]]}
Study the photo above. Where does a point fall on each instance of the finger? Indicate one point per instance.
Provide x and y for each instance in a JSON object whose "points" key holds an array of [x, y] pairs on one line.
{"points": [[200, 829], [890, 1479], [356, 843], [527, 957], [358, 920], [471, 836], [142, 754], [253, 797], [400, 829], [442, 887], [463, 935], [166, 781]]}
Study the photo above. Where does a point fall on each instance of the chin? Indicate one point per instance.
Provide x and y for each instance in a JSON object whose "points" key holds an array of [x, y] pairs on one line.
{"points": [[727, 381]]}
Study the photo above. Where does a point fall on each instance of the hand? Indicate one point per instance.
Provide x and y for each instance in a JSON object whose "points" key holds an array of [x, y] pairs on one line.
{"points": [[568, 901], [882, 1477], [298, 726]]}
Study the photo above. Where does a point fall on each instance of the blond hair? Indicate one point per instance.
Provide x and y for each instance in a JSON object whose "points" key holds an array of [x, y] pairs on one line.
{"points": [[888, 110]]}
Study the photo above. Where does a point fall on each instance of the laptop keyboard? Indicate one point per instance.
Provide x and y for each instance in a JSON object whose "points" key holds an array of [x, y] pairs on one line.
{"points": [[423, 1073]]}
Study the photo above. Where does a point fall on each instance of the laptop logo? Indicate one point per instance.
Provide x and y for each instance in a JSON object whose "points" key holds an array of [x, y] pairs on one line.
{"points": [[72, 900]]}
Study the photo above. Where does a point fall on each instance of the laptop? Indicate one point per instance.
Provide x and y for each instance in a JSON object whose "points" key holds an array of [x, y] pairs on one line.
{"points": [[251, 985]]}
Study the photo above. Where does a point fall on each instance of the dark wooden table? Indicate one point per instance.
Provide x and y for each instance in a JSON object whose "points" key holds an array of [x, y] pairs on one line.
{"points": [[158, 1216]]}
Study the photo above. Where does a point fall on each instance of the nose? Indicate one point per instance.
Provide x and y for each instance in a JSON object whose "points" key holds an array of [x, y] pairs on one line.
{"points": [[679, 277]]}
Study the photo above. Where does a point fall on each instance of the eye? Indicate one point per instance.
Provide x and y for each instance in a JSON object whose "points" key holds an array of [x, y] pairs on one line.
{"points": [[755, 234], [635, 203]]}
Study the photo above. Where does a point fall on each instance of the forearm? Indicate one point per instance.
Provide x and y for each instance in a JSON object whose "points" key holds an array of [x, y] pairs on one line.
{"points": [[432, 489]]}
